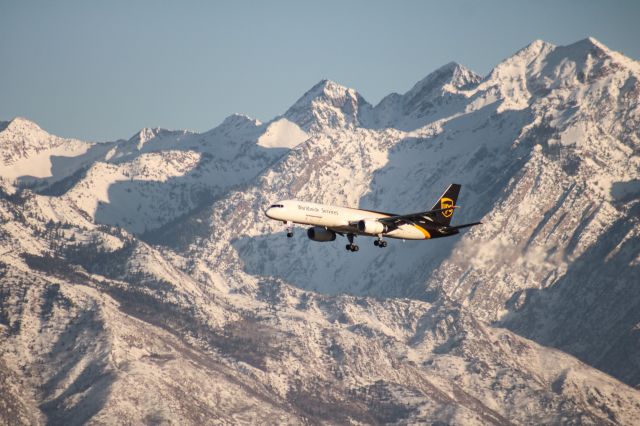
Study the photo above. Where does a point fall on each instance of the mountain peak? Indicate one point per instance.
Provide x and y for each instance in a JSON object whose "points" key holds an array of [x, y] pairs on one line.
{"points": [[327, 104], [448, 78], [327, 90], [452, 67], [588, 45], [592, 42], [158, 136], [239, 120], [21, 125], [591, 47], [235, 125], [529, 53], [454, 74], [536, 45], [23, 132], [512, 72], [427, 100], [146, 134]]}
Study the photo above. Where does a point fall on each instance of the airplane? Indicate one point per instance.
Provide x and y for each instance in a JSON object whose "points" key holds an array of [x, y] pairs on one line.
{"points": [[329, 221]]}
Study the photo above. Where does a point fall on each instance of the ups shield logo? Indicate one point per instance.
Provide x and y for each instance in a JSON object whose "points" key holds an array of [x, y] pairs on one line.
{"points": [[446, 203]]}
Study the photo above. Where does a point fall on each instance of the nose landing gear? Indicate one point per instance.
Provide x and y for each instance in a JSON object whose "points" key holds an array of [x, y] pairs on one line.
{"points": [[289, 228]]}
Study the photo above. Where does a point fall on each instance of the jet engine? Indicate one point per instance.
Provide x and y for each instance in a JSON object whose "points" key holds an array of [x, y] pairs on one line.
{"points": [[318, 233], [372, 227]]}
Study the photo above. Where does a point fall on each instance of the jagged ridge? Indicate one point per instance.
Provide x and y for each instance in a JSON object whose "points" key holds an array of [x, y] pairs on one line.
{"points": [[229, 312]]}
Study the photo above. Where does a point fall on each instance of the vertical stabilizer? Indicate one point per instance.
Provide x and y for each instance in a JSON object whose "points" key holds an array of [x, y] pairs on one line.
{"points": [[448, 199]]}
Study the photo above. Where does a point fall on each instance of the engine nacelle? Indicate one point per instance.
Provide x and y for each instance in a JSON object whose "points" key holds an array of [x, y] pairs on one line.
{"points": [[372, 227], [318, 233]]}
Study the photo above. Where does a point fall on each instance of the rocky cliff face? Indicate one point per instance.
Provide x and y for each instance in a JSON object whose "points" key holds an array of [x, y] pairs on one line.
{"points": [[149, 265]]}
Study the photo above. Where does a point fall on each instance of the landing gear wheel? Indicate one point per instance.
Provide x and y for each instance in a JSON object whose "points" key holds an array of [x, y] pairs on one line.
{"points": [[351, 246], [348, 247], [289, 234], [383, 244], [376, 242]]}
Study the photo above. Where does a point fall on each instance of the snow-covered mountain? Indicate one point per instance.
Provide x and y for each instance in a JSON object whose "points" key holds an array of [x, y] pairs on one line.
{"points": [[151, 179], [328, 105], [440, 94], [148, 263], [28, 153]]}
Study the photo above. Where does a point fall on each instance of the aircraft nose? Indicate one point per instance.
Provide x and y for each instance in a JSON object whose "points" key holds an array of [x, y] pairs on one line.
{"points": [[266, 212]]}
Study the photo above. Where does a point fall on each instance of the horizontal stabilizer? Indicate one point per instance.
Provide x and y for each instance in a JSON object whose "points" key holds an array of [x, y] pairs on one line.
{"points": [[466, 225]]}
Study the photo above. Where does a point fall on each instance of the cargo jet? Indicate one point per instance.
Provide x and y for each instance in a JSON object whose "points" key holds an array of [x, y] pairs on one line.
{"points": [[329, 221]]}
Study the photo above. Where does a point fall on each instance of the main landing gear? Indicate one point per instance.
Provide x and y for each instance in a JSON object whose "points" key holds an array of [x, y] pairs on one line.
{"points": [[289, 228], [380, 242], [351, 246]]}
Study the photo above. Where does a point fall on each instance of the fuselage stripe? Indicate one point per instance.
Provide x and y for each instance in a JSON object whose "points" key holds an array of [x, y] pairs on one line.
{"points": [[426, 233]]}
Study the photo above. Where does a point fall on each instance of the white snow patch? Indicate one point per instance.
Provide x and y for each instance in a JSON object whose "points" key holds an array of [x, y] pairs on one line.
{"points": [[282, 133]]}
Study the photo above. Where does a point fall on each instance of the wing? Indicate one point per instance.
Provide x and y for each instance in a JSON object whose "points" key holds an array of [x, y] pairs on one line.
{"points": [[413, 219]]}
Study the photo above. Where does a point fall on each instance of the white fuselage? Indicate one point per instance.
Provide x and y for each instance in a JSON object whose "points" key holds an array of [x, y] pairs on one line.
{"points": [[340, 219]]}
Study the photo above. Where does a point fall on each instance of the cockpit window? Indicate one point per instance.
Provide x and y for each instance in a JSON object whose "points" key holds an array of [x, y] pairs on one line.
{"points": [[276, 206]]}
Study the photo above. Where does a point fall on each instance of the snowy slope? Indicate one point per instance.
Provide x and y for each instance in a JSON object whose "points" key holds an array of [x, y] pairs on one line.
{"points": [[154, 177], [90, 332], [524, 319], [27, 153], [441, 94], [159, 175], [549, 168], [282, 133]]}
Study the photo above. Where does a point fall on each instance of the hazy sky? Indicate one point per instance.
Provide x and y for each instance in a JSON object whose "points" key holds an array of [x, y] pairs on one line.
{"points": [[101, 70]]}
